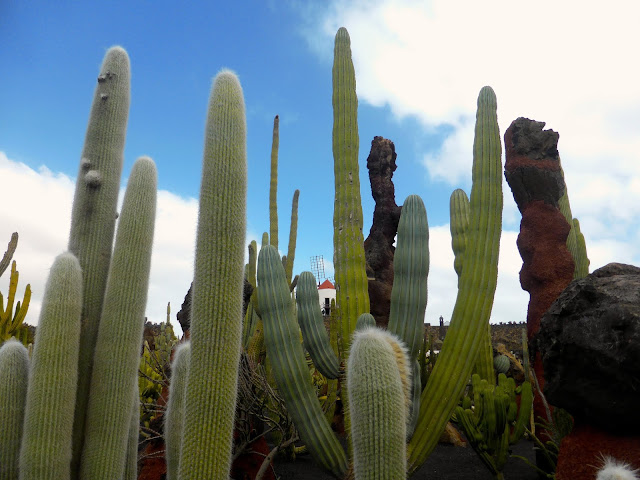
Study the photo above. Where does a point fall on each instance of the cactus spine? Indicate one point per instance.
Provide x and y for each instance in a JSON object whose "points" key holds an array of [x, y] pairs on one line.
{"points": [[316, 338], [94, 212], [282, 338], [377, 364], [273, 187], [477, 285], [14, 373], [117, 351], [217, 287], [352, 296], [45, 452], [174, 415]]}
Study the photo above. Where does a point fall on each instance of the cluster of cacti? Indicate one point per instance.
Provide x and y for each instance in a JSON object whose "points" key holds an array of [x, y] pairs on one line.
{"points": [[96, 295], [10, 320], [471, 316], [80, 401], [496, 422]]}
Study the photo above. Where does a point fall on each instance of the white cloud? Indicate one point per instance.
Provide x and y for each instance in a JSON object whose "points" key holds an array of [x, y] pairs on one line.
{"points": [[40, 211]]}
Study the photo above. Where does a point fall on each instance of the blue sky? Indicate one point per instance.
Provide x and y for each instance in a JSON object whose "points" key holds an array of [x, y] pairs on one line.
{"points": [[419, 67]]}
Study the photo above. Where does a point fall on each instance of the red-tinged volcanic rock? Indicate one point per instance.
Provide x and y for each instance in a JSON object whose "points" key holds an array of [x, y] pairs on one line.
{"points": [[533, 171], [582, 450], [378, 247]]}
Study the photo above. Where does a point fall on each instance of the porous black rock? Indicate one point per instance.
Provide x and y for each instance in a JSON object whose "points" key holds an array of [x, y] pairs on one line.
{"points": [[589, 341]]}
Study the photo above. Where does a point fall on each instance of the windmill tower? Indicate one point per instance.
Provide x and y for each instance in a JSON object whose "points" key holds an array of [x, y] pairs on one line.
{"points": [[317, 268]]}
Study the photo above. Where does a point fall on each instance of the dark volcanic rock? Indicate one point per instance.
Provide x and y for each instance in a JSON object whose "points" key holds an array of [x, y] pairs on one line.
{"points": [[590, 346], [184, 315], [378, 247]]}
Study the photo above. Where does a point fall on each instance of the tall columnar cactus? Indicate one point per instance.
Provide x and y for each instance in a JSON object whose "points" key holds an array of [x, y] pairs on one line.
{"points": [[410, 271], [14, 372], [94, 211], [352, 296], [409, 293], [217, 288], [174, 415], [477, 286], [117, 351], [45, 451], [316, 338], [293, 233], [289, 366], [377, 373], [273, 187], [459, 226]]}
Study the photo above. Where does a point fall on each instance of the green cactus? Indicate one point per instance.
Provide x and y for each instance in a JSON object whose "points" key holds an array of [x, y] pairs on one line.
{"points": [[379, 407], [175, 413], [575, 240], [217, 288], [316, 338], [501, 363], [332, 385], [477, 286], [273, 187], [10, 321], [93, 215], [365, 320], [46, 440], [352, 296], [117, 350], [581, 259], [409, 292], [293, 233], [289, 367], [459, 226], [14, 373], [410, 271], [496, 422]]}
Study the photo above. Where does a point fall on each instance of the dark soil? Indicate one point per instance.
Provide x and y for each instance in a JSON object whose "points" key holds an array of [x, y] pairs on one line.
{"points": [[445, 462]]}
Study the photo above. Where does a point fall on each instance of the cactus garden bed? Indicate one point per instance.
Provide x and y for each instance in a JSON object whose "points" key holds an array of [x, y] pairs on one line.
{"points": [[445, 462]]}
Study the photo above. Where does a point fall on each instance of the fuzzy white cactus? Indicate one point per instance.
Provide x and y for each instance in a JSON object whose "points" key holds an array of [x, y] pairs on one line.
{"points": [[613, 469]]}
